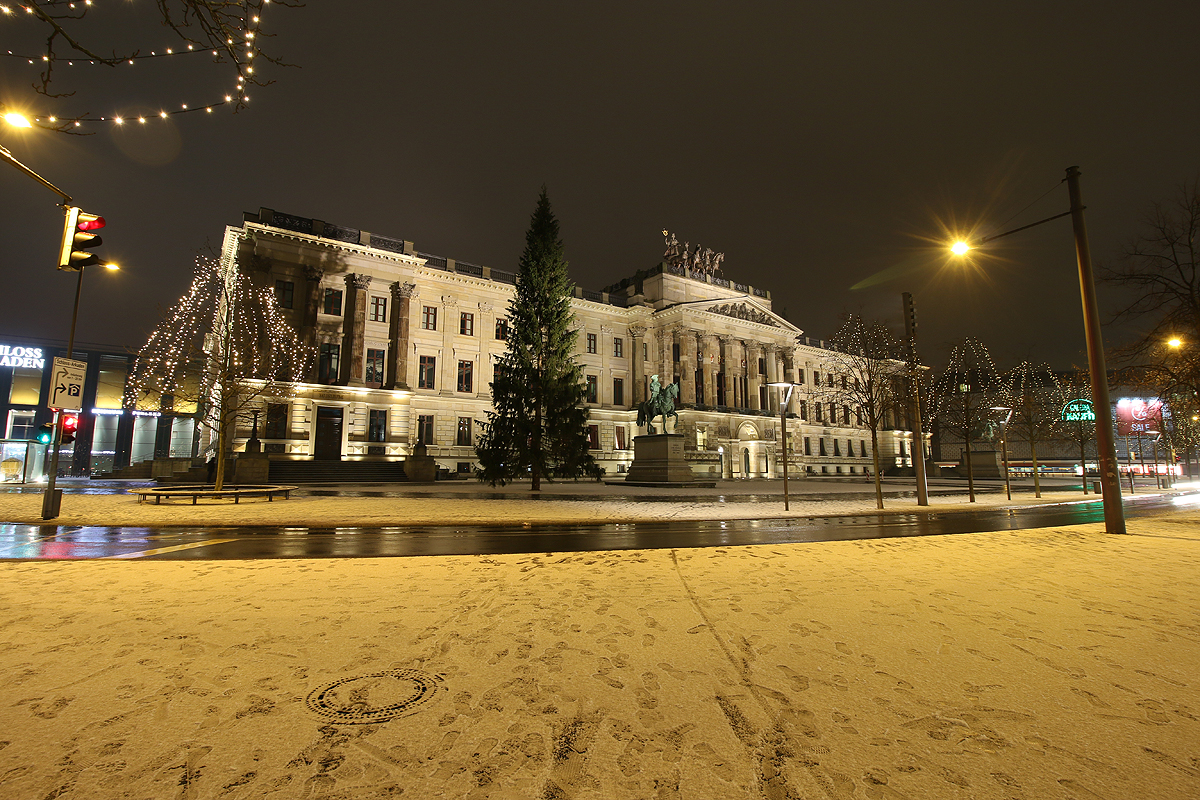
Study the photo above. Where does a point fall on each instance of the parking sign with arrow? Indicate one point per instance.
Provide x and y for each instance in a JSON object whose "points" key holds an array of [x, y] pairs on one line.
{"points": [[66, 382]]}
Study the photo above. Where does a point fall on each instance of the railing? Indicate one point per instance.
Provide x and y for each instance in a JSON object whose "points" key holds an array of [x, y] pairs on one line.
{"points": [[340, 234], [595, 297], [290, 223], [463, 268], [387, 243], [504, 277], [437, 262]]}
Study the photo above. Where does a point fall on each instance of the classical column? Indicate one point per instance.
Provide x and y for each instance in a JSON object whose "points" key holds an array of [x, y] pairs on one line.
{"points": [[397, 369], [354, 322], [312, 307], [687, 368], [708, 367], [637, 367], [753, 353], [727, 369], [447, 382]]}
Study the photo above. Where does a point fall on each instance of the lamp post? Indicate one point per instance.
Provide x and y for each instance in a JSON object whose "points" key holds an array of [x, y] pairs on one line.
{"points": [[1114, 513], [1004, 445], [785, 397]]}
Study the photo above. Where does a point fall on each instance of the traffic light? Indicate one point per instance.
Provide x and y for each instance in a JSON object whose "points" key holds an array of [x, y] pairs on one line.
{"points": [[70, 425], [45, 433], [78, 238]]}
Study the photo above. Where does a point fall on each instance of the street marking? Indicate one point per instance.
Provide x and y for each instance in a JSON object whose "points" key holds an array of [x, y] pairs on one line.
{"points": [[172, 549]]}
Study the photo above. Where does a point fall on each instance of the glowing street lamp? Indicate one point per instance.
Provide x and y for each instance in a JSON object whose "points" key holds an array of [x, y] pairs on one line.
{"points": [[17, 120], [1004, 445], [1114, 513]]}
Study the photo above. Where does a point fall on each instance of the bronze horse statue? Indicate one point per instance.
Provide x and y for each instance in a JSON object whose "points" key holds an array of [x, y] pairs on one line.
{"points": [[661, 402]]}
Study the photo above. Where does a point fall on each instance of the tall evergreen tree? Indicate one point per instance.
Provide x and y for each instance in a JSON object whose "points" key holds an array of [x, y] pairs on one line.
{"points": [[539, 424]]}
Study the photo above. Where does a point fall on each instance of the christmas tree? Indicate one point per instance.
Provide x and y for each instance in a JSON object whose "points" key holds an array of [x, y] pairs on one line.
{"points": [[538, 426]]}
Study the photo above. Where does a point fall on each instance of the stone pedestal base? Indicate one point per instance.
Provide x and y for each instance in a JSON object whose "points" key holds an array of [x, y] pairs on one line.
{"points": [[658, 460], [251, 469], [984, 464]]}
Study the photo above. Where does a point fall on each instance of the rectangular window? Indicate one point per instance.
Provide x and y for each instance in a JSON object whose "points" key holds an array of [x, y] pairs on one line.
{"points": [[862, 448], [807, 446], [799, 376], [26, 388], [843, 381], [821, 445], [110, 389], [804, 410], [816, 378], [466, 377], [618, 348], [284, 292], [645, 351], [592, 389], [429, 318], [332, 303], [849, 447], [593, 437], [701, 439], [837, 447], [501, 329], [426, 372], [591, 342], [377, 425], [858, 417], [378, 309], [276, 426], [818, 410], [618, 391], [620, 435], [464, 432], [20, 425], [675, 352], [762, 366], [327, 365], [845, 415], [425, 429], [374, 370], [721, 388], [466, 324], [829, 380]]}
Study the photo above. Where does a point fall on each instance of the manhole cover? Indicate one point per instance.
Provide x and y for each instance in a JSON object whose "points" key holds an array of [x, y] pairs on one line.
{"points": [[377, 697]]}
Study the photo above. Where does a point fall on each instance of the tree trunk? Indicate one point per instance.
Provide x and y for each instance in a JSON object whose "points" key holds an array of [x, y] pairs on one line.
{"points": [[1083, 457], [1037, 482], [535, 473], [875, 456], [970, 473]]}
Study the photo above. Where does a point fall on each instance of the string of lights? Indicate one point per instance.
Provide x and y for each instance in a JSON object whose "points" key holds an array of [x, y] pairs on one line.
{"points": [[229, 38]]}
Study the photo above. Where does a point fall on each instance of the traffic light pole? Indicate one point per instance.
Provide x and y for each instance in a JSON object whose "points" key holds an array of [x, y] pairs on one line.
{"points": [[52, 498], [910, 326]]}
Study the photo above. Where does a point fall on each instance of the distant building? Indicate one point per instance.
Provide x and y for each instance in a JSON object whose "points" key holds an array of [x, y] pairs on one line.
{"points": [[406, 343]]}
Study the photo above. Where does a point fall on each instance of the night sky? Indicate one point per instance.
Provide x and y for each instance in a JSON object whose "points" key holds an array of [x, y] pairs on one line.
{"points": [[817, 145]]}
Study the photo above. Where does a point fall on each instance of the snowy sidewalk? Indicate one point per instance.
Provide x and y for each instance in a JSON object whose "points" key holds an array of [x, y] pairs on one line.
{"points": [[1048, 663]]}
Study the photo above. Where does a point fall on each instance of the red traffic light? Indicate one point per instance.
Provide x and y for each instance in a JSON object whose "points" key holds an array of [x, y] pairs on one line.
{"points": [[89, 222], [70, 423]]}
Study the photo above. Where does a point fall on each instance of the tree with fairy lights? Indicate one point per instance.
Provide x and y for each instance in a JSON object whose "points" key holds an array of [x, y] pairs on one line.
{"points": [[539, 425], [58, 39], [222, 348], [1037, 403]]}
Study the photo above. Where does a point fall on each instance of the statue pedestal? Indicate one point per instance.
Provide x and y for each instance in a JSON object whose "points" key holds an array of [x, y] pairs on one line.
{"points": [[658, 461]]}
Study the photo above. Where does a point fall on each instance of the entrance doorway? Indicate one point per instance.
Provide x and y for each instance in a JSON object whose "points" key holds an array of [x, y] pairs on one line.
{"points": [[328, 444]]}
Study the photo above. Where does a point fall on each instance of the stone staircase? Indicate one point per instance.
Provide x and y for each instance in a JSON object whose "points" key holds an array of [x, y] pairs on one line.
{"points": [[311, 471]]}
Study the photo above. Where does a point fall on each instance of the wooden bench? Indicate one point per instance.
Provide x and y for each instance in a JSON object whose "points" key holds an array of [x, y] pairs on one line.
{"points": [[196, 492]]}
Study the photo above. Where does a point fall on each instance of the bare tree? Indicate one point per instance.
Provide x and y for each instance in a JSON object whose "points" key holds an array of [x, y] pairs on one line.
{"points": [[1077, 385], [222, 347], [964, 394], [227, 31], [868, 378], [1037, 401]]}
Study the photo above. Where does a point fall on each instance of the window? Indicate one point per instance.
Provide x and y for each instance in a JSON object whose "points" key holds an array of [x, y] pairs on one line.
{"points": [[618, 348], [374, 370], [592, 391], [804, 410], [850, 447], [378, 309], [829, 379], [591, 342], [837, 447], [429, 318], [675, 352], [799, 376], [817, 407], [821, 445], [466, 377], [902, 453], [807, 446], [20, 425], [721, 388], [762, 366], [701, 439], [284, 291], [377, 425], [26, 389], [277, 421], [593, 437], [618, 391], [816, 378], [333, 302], [426, 370], [845, 415], [501, 329], [466, 324], [645, 351], [862, 448], [464, 432], [425, 429], [327, 365], [858, 416], [620, 433], [110, 388]]}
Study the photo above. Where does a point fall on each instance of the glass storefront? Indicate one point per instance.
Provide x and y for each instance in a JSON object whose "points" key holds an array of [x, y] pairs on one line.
{"points": [[22, 461]]}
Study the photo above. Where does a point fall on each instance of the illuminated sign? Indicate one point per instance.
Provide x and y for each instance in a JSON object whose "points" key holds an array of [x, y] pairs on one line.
{"points": [[1078, 411], [147, 413], [21, 357], [1137, 415], [110, 412]]}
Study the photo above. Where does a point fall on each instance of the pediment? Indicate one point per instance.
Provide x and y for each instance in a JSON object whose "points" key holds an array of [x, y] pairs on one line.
{"points": [[748, 310]]}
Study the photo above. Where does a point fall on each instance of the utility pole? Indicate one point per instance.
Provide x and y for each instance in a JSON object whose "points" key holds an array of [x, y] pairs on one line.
{"points": [[910, 332]]}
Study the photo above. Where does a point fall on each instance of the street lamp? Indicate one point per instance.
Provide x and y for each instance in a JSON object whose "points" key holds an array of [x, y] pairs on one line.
{"points": [[785, 397], [1004, 445], [1114, 513]]}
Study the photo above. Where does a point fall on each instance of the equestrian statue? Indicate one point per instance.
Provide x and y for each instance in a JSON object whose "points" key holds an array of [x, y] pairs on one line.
{"points": [[661, 402]]}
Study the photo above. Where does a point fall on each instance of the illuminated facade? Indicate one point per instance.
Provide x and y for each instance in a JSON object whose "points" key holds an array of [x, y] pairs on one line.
{"points": [[406, 343]]}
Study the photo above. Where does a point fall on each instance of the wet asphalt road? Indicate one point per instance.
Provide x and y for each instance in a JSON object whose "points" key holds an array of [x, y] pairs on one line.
{"points": [[50, 542]]}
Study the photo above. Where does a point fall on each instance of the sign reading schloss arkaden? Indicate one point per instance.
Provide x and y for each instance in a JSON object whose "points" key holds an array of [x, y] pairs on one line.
{"points": [[66, 384]]}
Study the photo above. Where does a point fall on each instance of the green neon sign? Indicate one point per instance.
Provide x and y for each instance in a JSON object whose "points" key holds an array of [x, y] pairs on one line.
{"points": [[1079, 411]]}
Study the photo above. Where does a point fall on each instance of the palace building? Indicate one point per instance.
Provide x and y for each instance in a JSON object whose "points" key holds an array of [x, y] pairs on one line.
{"points": [[406, 343]]}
